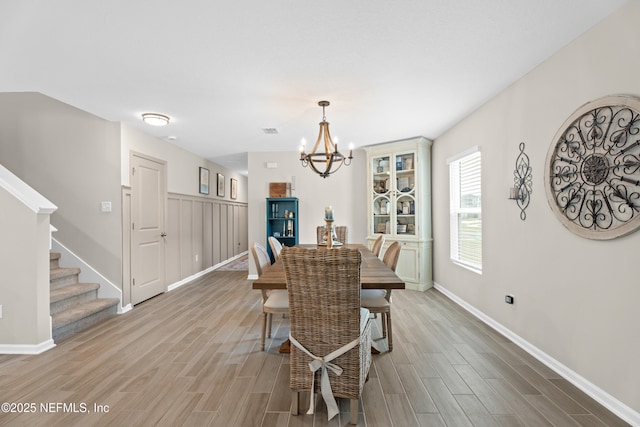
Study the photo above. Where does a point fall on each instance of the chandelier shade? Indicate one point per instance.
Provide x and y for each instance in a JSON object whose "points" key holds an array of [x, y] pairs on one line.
{"points": [[327, 162]]}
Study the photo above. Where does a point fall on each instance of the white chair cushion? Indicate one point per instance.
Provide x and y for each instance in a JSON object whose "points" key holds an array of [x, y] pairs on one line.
{"points": [[373, 293], [373, 298], [277, 299], [364, 318]]}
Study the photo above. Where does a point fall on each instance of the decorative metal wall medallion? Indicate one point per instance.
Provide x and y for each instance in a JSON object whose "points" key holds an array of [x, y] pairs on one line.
{"points": [[592, 173], [522, 182]]}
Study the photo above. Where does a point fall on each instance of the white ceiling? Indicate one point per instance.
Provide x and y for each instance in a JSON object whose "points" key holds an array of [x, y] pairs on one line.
{"points": [[223, 71]]}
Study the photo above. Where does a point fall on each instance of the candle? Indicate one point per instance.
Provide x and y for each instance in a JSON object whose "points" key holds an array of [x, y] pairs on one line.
{"points": [[328, 212], [514, 193], [302, 143]]}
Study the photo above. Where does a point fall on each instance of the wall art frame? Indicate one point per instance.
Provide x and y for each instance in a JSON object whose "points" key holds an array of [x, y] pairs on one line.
{"points": [[234, 189], [204, 181], [220, 185]]}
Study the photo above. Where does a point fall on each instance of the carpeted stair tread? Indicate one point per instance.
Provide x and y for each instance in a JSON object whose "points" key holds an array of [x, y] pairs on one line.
{"points": [[54, 260], [70, 291], [57, 273], [82, 310], [74, 306]]}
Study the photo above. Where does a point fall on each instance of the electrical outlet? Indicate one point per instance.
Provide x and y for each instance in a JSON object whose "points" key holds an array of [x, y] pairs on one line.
{"points": [[196, 257], [509, 299]]}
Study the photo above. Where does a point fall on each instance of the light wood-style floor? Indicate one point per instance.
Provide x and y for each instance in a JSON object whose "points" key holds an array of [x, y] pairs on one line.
{"points": [[191, 357]]}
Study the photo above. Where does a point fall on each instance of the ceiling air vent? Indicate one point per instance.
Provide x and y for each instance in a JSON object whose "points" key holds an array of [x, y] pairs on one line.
{"points": [[270, 131]]}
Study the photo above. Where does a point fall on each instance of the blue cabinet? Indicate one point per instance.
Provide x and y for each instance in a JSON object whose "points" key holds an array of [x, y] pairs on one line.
{"points": [[282, 221]]}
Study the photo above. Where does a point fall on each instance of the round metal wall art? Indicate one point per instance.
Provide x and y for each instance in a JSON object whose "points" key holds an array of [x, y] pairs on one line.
{"points": [[592, 176]]}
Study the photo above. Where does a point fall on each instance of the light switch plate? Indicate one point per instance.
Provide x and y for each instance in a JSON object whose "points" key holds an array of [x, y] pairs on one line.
{"points": [[105, 207]]}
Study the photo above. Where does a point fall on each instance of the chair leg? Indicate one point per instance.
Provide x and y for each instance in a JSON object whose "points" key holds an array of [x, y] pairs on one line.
{"points": [[270, 317], [354, 412], [295, 401], [383, 320], [390, 338], [264, 329]]}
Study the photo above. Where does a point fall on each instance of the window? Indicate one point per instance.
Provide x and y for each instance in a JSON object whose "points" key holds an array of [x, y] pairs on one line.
{"points": [[466, 209]]}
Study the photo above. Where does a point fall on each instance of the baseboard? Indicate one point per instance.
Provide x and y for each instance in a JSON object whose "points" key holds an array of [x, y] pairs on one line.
{"points": [[186, 280], [605, 399], [27, 348], [124, 309]]}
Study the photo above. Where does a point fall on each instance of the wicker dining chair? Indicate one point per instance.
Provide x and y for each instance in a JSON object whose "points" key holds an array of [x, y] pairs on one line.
{"points": [[327, 320], [342, 233], [276, 247], [378, 300], [274, 302], [377, 245]]}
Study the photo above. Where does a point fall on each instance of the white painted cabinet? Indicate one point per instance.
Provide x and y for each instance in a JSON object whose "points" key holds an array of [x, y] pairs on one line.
{"points": [[399, 205]]}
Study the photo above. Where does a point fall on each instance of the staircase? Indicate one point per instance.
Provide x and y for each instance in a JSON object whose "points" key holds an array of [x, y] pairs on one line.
{"points": [[75, 306]]}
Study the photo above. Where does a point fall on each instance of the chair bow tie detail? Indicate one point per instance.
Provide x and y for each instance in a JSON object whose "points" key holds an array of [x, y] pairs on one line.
{"points": [[324, 363]]}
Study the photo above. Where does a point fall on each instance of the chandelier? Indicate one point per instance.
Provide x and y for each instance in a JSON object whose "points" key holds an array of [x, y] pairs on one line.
{"points": [[324, 164]]}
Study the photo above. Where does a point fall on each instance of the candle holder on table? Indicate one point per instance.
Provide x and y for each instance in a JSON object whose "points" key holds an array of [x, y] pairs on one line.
{"points": [[330, 237]]}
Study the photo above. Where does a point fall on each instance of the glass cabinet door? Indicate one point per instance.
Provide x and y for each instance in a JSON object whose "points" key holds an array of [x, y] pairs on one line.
{"points": [[382, 189], [405, 193]]}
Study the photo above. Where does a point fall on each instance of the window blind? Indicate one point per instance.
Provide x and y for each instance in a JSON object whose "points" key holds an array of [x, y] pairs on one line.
{"points": [[466, 210]]}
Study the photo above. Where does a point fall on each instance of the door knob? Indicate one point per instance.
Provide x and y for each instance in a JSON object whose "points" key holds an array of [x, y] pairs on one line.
{"points": [[163, 234]]}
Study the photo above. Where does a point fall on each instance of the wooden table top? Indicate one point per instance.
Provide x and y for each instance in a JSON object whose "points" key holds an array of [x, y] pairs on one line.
{"points": [[374, 274]]}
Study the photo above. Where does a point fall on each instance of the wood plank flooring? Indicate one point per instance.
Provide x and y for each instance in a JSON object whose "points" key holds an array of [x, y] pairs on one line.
{"points": [[191, 357]]}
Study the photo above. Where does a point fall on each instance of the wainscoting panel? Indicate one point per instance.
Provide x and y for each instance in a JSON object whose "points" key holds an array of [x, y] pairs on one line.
{"points": [[201, 233], [172, 241]]}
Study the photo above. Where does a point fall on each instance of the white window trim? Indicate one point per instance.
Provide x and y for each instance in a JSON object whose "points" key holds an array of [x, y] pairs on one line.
{"points": [[465, 153], [452, 159]]}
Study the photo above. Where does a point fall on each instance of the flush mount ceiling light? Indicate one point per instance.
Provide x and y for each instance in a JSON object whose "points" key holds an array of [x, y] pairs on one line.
{"points": [[324, 164], [155, 119]]}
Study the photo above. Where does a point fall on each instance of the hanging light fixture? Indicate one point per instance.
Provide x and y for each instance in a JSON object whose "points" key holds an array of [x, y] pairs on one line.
{"points": [[324, 164]]}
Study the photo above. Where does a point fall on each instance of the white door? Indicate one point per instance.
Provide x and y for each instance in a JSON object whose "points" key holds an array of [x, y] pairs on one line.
{"points": [[148, 196]]}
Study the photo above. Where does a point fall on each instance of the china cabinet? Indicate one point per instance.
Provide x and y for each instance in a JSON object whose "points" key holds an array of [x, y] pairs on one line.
{"points": [[282, 221], [399, 205]]}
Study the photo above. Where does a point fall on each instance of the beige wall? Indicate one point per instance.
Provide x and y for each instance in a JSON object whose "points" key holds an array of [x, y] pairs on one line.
{"points": [[73, 159], [182, 166], [576, 299], [24, 288], [345, 191]]}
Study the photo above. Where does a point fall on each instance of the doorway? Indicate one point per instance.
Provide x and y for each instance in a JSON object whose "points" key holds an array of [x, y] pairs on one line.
{"points": [[148, 224]]}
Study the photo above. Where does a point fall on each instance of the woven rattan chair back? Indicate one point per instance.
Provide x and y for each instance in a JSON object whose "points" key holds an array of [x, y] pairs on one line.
{"points": [[324, 308], [342, 233]]}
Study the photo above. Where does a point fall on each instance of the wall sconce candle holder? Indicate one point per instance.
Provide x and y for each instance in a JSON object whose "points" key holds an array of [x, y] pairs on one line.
{"points": [[522, 182]]}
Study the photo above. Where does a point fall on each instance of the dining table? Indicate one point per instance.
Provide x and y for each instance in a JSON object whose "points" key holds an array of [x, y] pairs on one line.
{"points": [[374, 274]]}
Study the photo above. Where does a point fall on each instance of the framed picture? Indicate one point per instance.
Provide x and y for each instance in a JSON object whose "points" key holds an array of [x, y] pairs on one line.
{"points": [[220, 185], [204, 181], [234, 188]]}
